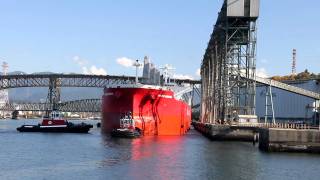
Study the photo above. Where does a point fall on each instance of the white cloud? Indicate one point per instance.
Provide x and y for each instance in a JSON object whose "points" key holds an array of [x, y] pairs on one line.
{"points": [[126, 62], [198, 72], [261, 72], [182, 76], [93, 70]]}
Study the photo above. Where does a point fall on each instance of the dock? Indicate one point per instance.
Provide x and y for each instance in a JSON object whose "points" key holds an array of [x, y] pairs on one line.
{"points": [[271, 137]]}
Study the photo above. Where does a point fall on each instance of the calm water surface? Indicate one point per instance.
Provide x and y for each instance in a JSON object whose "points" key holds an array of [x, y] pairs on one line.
{"points": [[94, 156]]}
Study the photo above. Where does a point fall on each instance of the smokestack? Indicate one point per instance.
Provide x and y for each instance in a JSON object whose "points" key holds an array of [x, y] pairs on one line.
{"points": [[294, 62]]}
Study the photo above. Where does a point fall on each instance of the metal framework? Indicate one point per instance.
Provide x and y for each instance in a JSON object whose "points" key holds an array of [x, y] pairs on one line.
{"points": [[65, 80], [269, 106], [287, 87], [55, 82], [71, 80], [84, 105], [188, 94], [185, 81], [54, 92], [227, 66]]}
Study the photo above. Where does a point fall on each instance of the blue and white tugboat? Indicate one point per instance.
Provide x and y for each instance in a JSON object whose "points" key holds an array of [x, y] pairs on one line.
{"points": [[56, 123]]}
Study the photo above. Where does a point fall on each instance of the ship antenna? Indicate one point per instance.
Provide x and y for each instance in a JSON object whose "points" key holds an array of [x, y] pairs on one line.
{"points": [[137, 65], [167, 72]]}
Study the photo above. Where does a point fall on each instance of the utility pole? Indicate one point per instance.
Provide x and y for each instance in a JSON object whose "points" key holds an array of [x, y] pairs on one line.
{"points": [[294, 62]]}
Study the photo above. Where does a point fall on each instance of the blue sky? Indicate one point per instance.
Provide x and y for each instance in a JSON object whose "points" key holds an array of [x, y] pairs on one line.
{"points": [[75, 35]]}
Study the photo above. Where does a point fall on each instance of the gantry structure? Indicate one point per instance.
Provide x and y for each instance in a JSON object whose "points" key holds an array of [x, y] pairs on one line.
{"points": [[228, 63], [228, 68]]}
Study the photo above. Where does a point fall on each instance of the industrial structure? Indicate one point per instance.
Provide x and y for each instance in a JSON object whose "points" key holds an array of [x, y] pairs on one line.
{"points": [[228, 94], [229, 62], [228, 69], [290, 107]]}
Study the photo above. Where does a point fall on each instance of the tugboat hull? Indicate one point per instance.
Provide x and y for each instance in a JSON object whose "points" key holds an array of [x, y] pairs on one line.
{"points": [[66, 129], [125, 134]]}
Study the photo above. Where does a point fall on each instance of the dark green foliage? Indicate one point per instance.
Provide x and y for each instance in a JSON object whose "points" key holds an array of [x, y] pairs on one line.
{"points": [[305, 75]]}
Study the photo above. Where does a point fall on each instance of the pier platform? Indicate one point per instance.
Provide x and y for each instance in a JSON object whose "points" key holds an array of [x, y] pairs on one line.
{"points": [[289, 140], [271, 137], [219, 132]]}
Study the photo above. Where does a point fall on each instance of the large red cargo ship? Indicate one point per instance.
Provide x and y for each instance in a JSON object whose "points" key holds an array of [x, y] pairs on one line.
{"points": [[153, 109]]}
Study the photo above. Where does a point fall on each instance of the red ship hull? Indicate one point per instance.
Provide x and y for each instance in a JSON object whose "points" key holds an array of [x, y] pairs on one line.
{"points": [[155, 111]]}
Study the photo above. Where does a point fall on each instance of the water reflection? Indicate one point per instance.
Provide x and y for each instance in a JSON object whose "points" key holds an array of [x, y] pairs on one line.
{"points": [[95, 156], [160, 154], [228, 161]]}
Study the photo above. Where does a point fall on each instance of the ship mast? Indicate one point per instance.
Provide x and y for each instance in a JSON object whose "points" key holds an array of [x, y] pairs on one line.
{"points": [[167, 72], [137, 65]]}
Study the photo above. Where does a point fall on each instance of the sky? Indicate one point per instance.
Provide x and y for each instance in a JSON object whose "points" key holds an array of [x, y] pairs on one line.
{"points": [[105, 36]]}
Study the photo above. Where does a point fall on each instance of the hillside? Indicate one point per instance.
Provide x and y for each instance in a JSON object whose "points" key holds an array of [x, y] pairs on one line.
{"points": [[305, 75]]}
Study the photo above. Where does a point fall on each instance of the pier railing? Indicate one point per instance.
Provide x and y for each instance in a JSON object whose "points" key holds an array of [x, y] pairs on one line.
{"points": [[255, 126], [276, 125]]}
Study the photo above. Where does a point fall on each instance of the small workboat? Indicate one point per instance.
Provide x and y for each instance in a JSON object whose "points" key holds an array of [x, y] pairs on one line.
{"points": [[55, 122], [127, 128]]}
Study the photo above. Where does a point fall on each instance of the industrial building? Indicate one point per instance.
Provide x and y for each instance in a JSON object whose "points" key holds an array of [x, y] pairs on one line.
{"points": [[287, 105]]}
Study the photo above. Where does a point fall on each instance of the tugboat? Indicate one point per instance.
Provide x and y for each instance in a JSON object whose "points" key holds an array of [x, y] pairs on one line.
{"points": [[127, 128], [56, 123]]}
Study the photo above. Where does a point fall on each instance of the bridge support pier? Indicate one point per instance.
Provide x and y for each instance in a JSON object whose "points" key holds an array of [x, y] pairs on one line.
{"points": [[54, 92]]}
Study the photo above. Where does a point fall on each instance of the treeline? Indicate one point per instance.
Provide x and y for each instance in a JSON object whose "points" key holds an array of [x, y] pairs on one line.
{"points": [[305, 75]]}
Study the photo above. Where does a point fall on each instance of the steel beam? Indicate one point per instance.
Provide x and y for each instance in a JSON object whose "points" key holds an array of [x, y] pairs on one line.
{"points": [[84, 105], [66, 80]]}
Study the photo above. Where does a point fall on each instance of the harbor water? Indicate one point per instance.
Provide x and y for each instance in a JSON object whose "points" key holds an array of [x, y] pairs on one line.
{"points": [[96, 156]]}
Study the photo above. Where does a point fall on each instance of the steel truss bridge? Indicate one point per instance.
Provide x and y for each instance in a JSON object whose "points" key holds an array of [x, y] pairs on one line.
{"points": [[83, 105], [55, 81], [228, 68], [62, 80], [71, 80]]}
